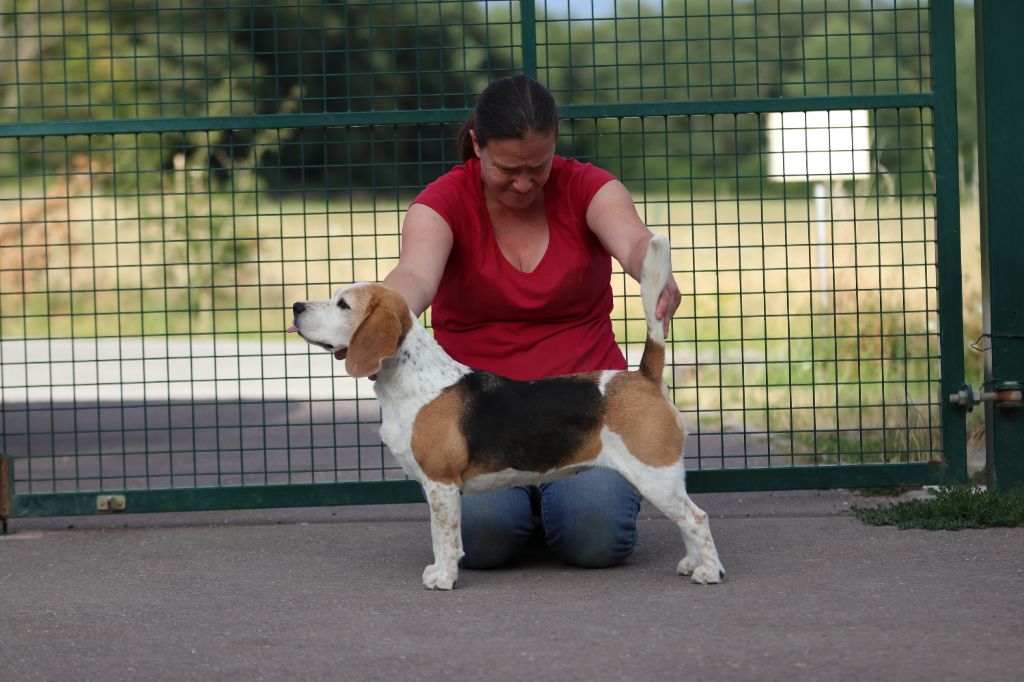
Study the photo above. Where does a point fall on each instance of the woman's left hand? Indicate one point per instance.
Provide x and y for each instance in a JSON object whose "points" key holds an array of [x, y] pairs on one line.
{"points": [[668, 303]]}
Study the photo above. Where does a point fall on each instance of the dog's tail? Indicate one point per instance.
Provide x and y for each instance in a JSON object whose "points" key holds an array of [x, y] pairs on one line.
{"points": [[655, 274]]}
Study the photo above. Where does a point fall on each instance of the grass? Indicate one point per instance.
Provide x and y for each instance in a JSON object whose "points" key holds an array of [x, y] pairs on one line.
{"points": [[181, 263], [829, 356], [951, 508]]}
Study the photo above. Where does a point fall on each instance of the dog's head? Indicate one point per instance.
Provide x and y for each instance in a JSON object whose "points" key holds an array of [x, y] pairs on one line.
{"points": [[361, 324]]}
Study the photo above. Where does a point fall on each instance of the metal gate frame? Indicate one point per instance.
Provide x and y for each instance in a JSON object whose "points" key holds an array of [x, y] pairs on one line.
{"points": [[996, 25], [942, 101]]}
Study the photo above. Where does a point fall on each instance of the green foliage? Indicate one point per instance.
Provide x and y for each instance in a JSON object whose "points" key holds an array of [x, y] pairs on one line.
{"points": [[692, 50], [122, 59], [952, 508], [119, 59]]}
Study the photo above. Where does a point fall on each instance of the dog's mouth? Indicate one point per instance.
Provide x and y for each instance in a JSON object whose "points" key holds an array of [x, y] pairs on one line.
{"points": [[339, 354]]}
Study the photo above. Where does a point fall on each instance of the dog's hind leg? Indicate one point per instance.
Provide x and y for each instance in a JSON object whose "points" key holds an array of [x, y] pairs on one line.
{"points": [[446, 535], [666, 490]]}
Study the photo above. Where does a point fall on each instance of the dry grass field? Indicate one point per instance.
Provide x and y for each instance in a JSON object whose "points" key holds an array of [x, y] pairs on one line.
{"points": [[807, 343]]}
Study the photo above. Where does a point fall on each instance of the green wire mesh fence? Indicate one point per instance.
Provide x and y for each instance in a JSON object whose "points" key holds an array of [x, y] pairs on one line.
{"points": [[173, 175]]}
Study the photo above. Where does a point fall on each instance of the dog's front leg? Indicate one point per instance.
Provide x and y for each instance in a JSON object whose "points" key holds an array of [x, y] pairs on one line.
{"points": [[446, 534]]}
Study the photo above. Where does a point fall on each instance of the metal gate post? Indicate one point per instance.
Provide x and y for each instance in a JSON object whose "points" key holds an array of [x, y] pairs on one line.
{"points": [[1000, 150], [528, 36], [6, 492]]}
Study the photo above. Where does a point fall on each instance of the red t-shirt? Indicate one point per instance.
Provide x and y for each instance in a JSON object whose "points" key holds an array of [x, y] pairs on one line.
{"points": [[552, 321]]}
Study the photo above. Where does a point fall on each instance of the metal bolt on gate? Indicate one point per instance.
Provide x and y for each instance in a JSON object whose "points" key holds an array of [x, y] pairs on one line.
{"points": [[1005, 395]]}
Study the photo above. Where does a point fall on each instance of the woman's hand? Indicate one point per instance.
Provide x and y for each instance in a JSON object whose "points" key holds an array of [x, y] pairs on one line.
{"points": [[668, 303]]}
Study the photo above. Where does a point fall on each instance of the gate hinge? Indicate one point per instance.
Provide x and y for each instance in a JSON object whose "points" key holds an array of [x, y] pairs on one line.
{"points": [[110, 503], [1005, 394]]}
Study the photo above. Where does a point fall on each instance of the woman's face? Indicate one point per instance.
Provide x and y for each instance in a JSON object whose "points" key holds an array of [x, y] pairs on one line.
{"points": [[514, 171]]}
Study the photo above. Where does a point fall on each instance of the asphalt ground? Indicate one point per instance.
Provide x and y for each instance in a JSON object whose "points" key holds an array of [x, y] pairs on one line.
{"points": [[334, 593]]}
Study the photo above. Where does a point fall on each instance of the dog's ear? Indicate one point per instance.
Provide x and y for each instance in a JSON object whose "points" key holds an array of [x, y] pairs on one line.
{"points": [[376, 339]]}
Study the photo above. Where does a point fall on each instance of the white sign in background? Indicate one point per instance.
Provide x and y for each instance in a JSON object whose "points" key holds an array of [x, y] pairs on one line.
{"points": [[818, 145]]}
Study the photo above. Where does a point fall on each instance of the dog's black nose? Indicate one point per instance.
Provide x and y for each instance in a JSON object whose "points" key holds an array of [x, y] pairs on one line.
{"points": [[298, 308]]}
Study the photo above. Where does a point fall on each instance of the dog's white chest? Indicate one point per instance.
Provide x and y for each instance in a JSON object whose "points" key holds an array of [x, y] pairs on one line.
{"points": [[408, 382], [396, 425]]}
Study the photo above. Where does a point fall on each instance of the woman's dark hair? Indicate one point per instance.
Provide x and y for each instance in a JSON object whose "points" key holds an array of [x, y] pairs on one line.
{"points": [[509, 109]]}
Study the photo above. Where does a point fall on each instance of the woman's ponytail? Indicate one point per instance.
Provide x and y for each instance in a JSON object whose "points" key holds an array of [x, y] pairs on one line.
{"points": [[464, 141]]}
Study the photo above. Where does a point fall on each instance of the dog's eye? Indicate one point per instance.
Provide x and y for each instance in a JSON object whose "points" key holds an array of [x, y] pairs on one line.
{"points": [[342, 304]]}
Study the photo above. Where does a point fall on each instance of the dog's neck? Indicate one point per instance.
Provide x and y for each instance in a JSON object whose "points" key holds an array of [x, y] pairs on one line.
{"points": [[420, 367]]}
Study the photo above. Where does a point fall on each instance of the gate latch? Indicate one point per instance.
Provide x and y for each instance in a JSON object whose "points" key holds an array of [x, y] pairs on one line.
{"points": [[110, 503], [1005, 394]]}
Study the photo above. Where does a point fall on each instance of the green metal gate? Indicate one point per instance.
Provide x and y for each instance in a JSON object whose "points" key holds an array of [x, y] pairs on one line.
{"points": [[174, 174]]}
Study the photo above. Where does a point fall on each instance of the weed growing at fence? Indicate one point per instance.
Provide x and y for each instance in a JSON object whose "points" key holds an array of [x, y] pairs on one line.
{"points": [[951, 508]]}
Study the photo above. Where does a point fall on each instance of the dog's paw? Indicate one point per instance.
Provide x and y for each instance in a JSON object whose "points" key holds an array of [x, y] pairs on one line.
{"points": [[706, 573], [438, 577], [687, 566]]}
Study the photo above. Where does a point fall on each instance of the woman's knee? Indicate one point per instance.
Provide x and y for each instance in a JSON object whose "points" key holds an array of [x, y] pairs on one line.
{"points": [[590, 519], [496, 527]]}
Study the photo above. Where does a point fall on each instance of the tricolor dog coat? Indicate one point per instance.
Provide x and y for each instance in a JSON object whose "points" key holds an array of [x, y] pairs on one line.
{"points": [[455, 429]]}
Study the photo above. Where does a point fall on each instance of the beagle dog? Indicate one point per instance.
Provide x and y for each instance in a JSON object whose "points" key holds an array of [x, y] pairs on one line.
{"points": [[459, 430]]}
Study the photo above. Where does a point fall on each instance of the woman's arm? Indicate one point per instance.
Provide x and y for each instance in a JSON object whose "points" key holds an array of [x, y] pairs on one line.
{"points": [[426, 244], [613, 218]]}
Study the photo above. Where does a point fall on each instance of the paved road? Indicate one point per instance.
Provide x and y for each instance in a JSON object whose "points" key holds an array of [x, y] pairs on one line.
{"points": [[333, 593]]}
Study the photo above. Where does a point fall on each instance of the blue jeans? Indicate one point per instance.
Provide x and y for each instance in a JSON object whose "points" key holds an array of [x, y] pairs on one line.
{"points": [[587, 520]]}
